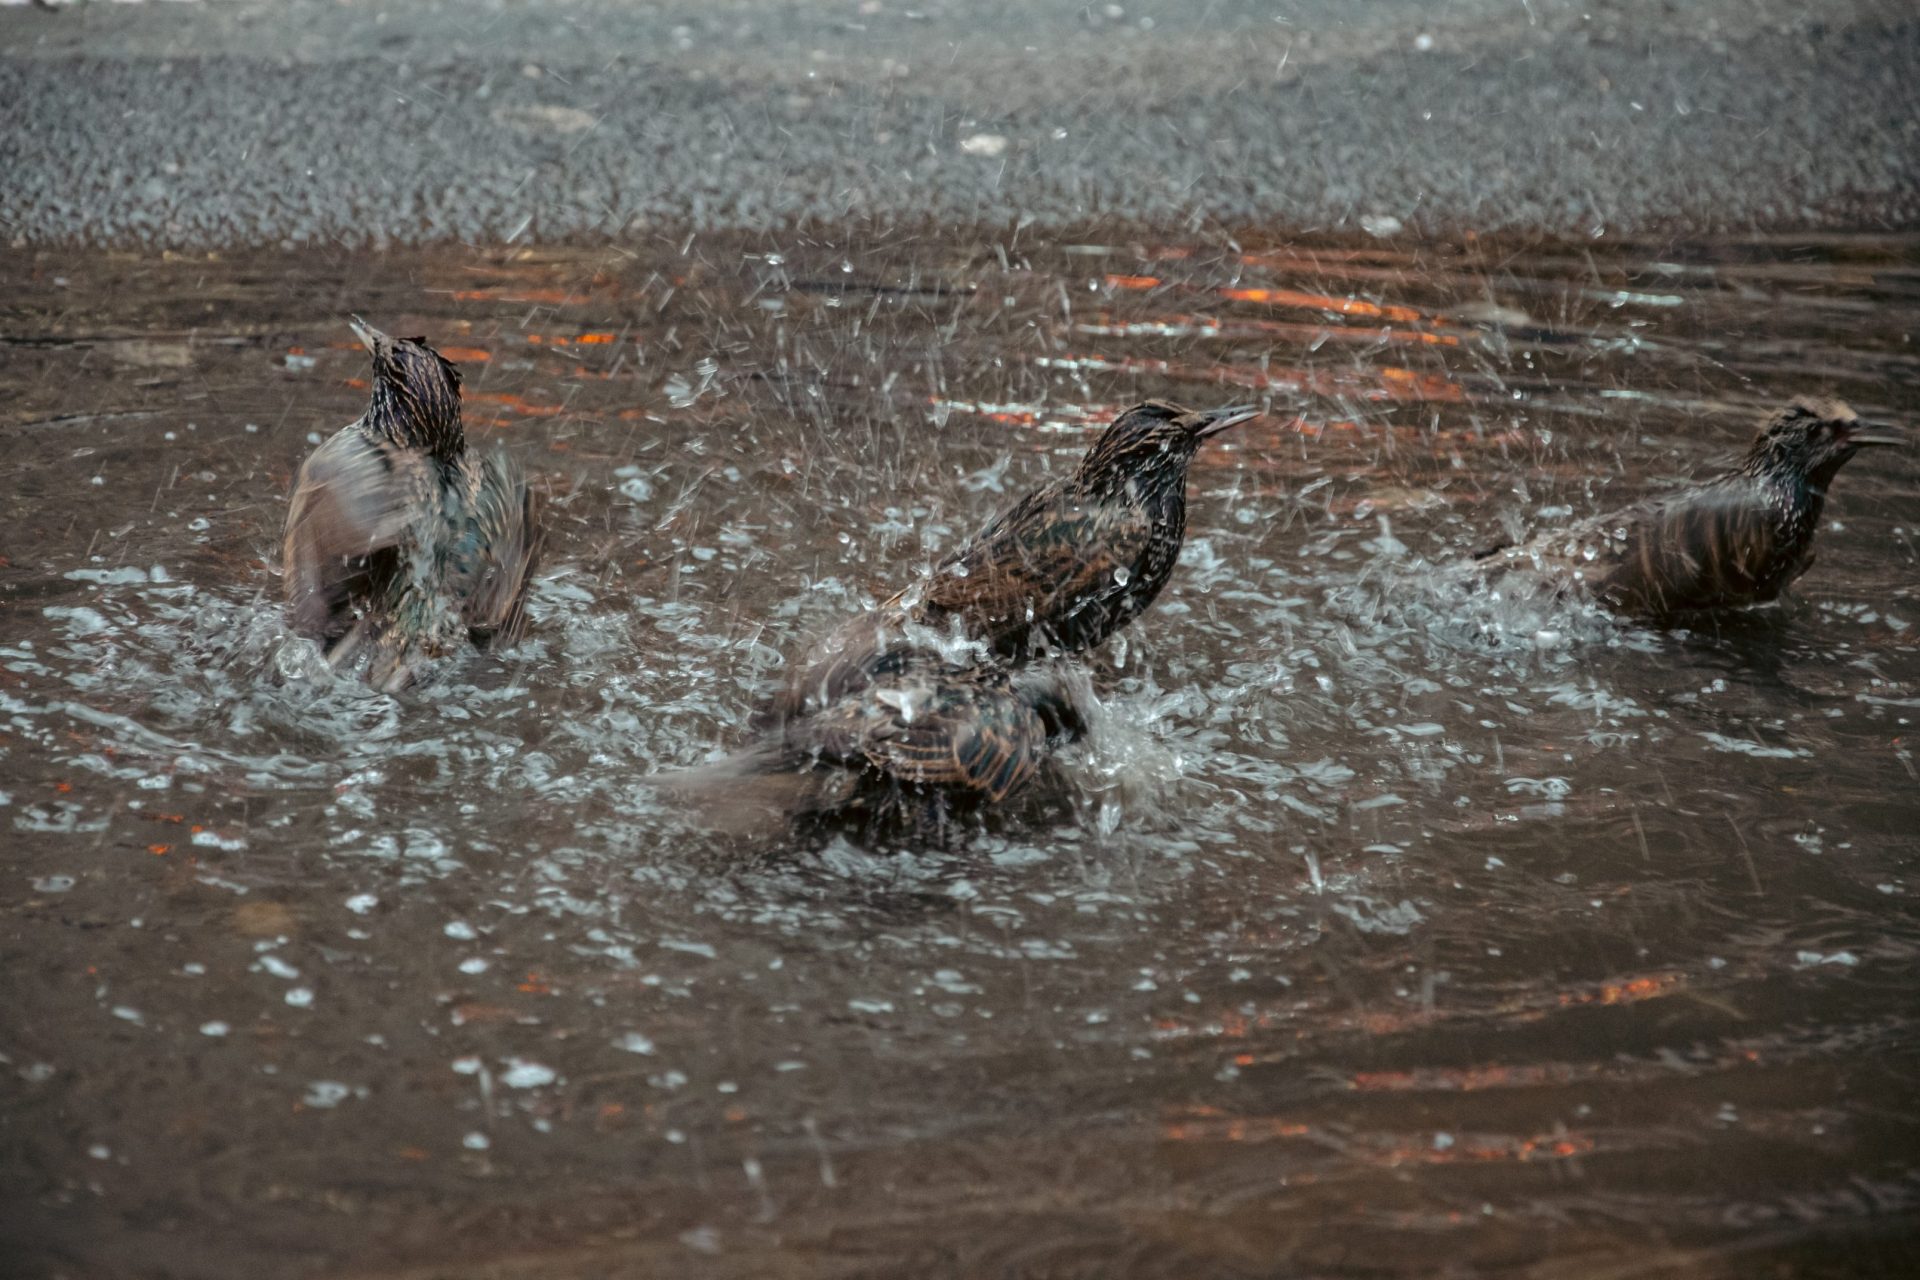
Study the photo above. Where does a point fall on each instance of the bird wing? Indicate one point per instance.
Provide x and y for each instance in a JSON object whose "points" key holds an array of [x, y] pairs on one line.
{"points": [[1707, 547], [841, 663], [956, 734], [503, 541], [989, 745], [1046, 557], [354, 497]]}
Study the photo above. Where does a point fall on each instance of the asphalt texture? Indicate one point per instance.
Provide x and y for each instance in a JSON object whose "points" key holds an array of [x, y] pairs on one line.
{"points": [[263, 122]]}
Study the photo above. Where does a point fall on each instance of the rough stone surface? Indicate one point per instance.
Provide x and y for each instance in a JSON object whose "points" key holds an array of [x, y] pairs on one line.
{"points": [[306, 121]]}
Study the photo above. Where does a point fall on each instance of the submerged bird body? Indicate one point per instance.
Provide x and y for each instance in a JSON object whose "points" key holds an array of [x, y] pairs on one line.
{"points": [[1738, 539], [920, 743], [401, 543], [1058, 572]]}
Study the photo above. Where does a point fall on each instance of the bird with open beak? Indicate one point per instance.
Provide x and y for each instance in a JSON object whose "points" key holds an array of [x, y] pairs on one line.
{"points": [[401, 543], [1735, 540], [1058, 572]]}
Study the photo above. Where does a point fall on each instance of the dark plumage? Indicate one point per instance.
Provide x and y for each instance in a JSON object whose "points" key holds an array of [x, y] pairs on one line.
{"points": [[921, 742], [401, 543], [1058, 572], [1735, 540]]}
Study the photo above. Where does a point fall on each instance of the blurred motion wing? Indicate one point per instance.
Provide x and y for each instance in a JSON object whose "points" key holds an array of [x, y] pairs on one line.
{"points": [[1719, 545], [353, 500], [506, 525]]}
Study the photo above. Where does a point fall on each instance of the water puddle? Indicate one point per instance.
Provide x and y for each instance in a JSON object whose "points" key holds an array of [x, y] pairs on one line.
{"points": [[1377, 909]]}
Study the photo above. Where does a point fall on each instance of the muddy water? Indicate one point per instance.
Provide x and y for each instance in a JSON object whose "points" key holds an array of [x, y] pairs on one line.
{"points": [[1381, 927]]}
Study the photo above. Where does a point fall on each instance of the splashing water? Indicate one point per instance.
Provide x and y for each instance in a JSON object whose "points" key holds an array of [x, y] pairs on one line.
{"points": [[1378, 902]]}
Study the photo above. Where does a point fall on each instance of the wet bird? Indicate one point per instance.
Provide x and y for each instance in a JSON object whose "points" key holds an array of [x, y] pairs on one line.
{"points": [[402, 544], [1738, 539], [1058, 572], [920, 744]]}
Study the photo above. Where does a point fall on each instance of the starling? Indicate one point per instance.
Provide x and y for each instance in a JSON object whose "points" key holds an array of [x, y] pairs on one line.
{"points": [[1058, 572], [920, 743], [400, 541], [1735, 540]]}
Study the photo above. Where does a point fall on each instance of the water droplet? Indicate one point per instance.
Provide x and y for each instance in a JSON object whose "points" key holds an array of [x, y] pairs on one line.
{"points": [[325, 1094], [984, 144], [524, 1074]]}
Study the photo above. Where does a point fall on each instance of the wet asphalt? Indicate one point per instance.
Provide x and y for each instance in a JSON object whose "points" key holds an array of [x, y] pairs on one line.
{"points": [[263, 122]]}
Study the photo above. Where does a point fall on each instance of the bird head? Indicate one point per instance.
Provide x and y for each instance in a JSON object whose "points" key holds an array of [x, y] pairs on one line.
{"points": [[1813, 437], [416, 392], [1153, 442]]}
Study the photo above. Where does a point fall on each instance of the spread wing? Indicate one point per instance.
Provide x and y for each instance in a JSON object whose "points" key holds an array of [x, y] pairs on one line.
{"points": [[352, 501], [1048, 560], [504, 537]]}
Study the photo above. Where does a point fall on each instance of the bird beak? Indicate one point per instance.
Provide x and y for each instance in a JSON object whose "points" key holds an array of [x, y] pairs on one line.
{"points": [[1865, 433], [1218, 420], [374, 340]]}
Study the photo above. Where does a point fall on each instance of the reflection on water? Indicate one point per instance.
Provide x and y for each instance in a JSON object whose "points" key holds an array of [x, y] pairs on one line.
{"points": [[1383, 925]]}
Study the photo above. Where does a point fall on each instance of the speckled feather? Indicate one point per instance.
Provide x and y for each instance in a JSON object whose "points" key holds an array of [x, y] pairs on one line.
{"points": [[401, 543]]}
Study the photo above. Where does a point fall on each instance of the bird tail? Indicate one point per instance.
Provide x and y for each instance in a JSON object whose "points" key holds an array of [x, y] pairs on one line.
{"points": [[753, 791]]}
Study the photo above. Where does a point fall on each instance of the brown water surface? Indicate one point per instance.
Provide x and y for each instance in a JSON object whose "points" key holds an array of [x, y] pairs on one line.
{"points": [[1383, 928]]}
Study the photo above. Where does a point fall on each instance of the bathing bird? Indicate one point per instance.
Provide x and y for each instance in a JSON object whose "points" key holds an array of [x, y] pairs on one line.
{"points": [[401, 542], [1058, 572], [1735, 540], [922, 742]]}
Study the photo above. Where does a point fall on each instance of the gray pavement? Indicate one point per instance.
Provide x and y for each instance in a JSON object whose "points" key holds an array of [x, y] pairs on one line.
{"points": [[315, 121]]}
